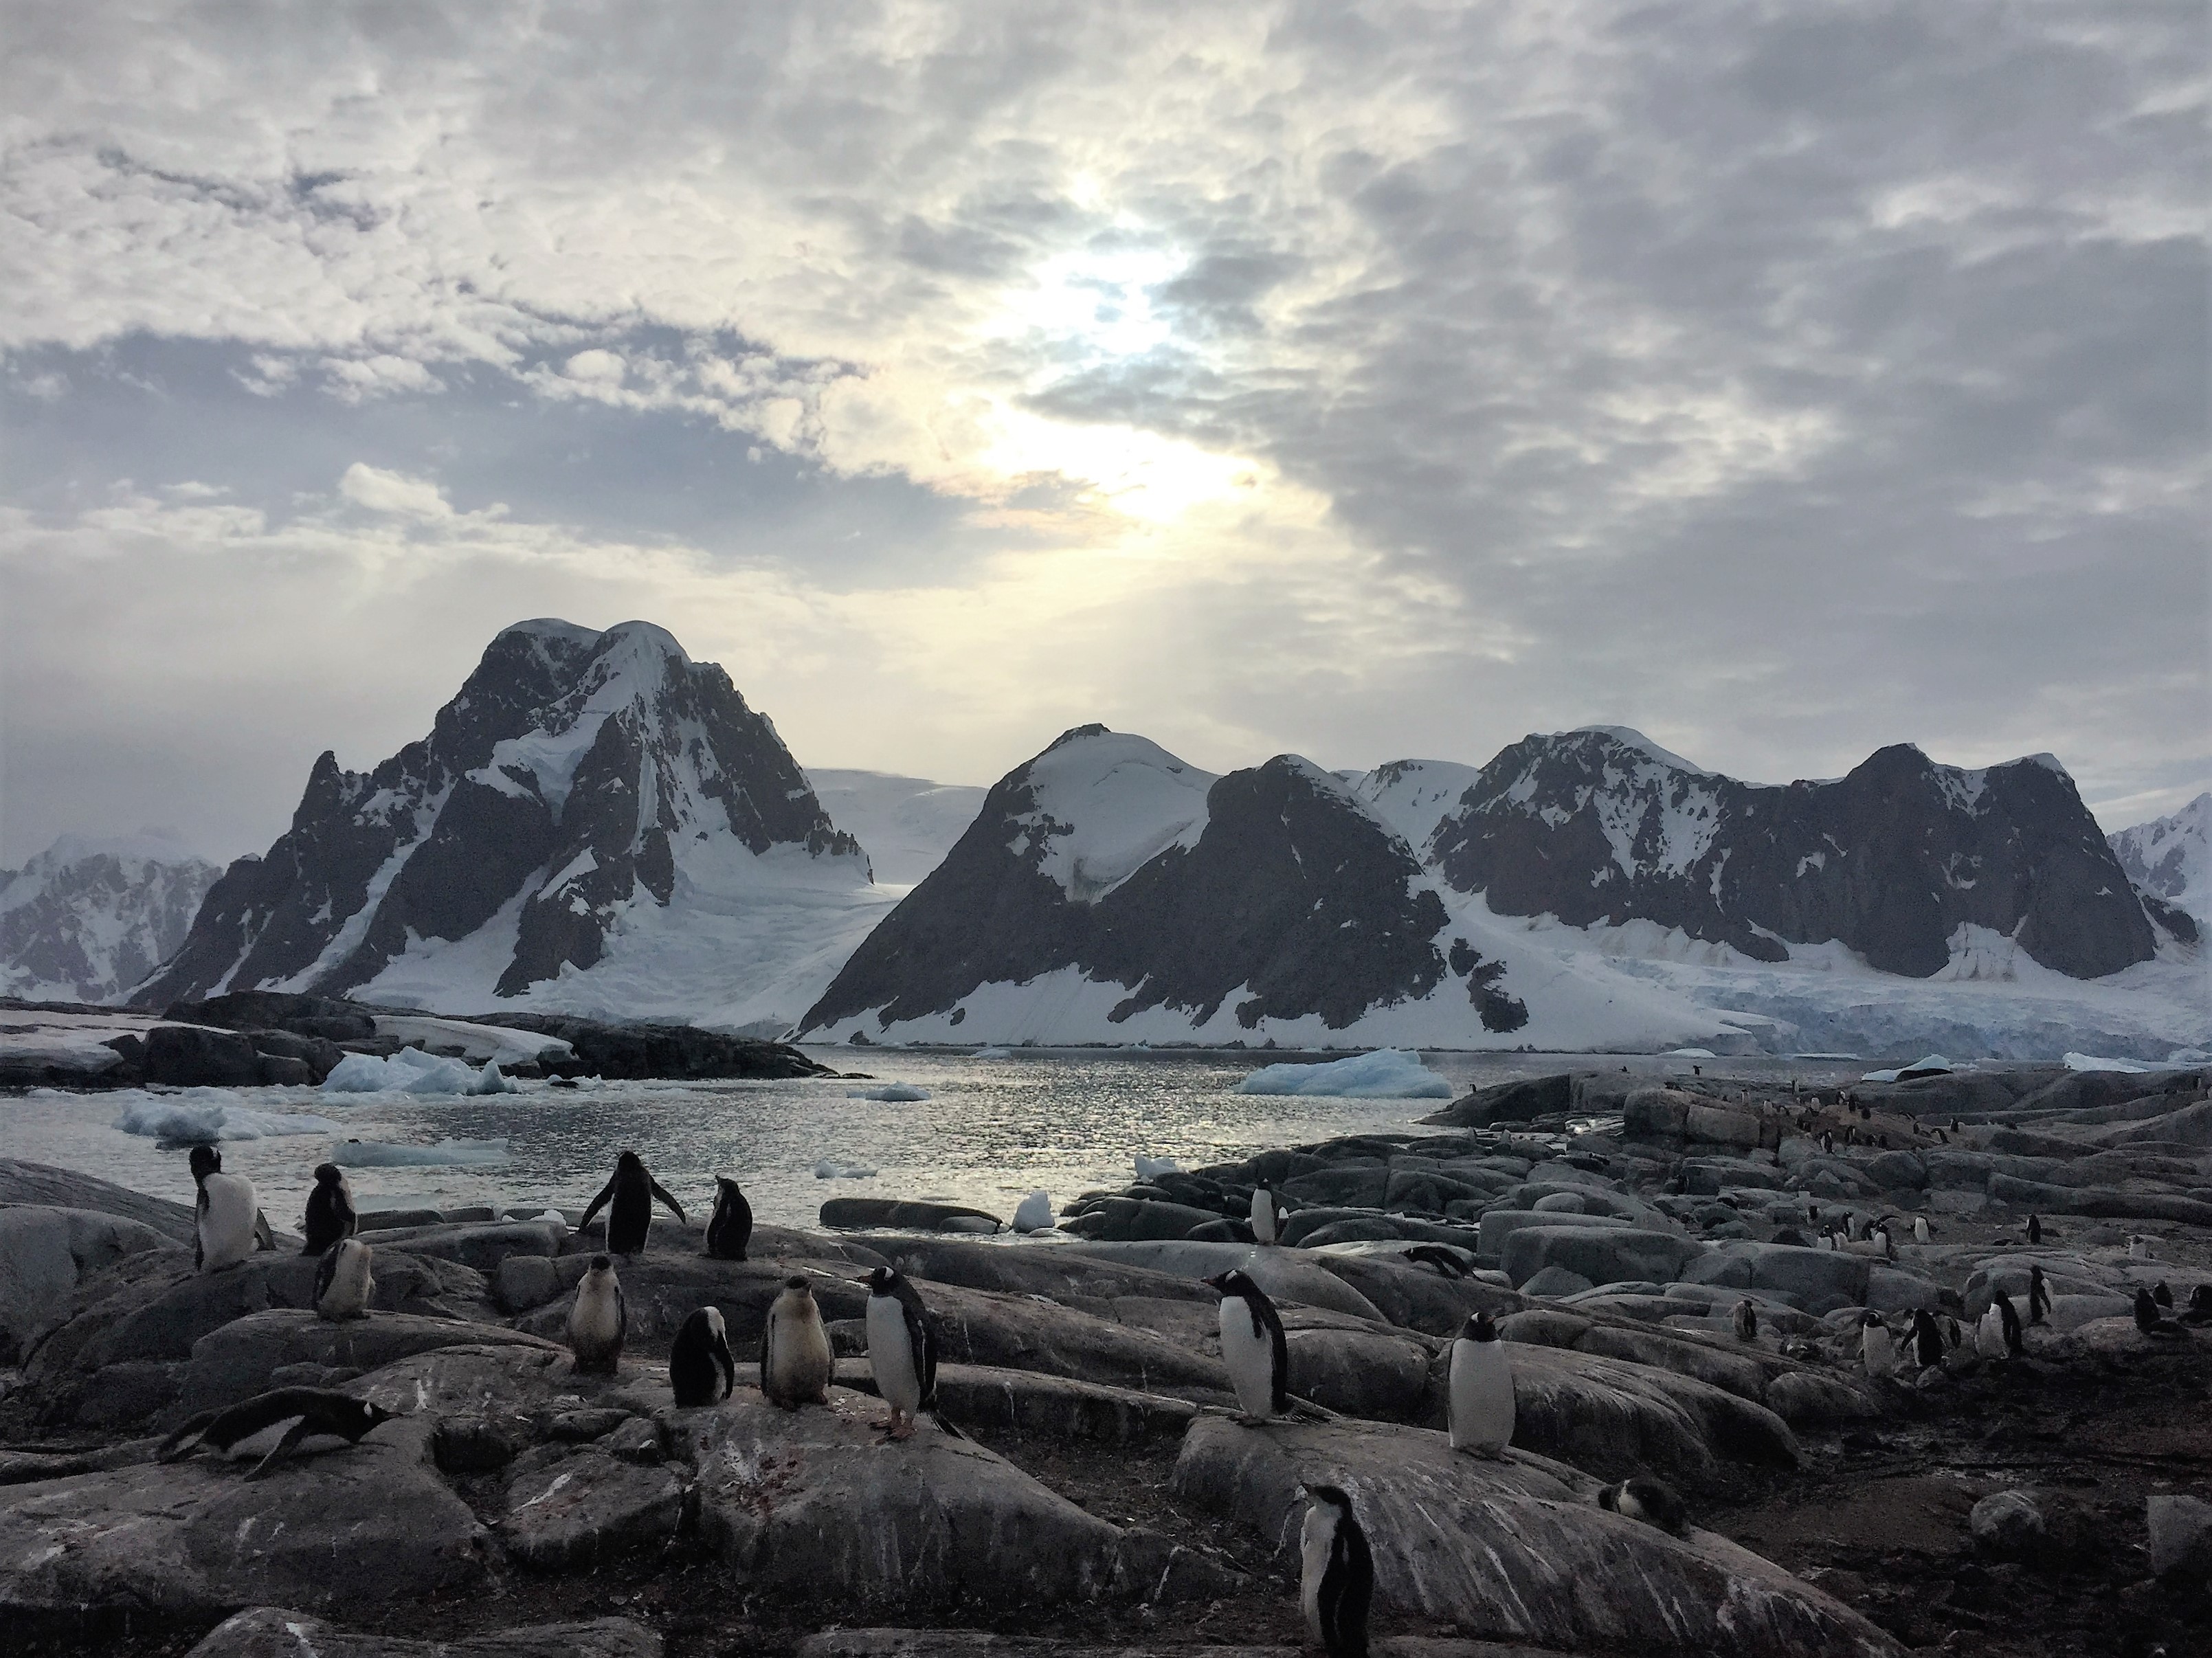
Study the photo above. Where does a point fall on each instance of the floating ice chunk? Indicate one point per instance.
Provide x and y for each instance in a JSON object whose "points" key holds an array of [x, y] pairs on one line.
{"points": [[1934, 1065], [1035, 1214], [1148, 1167], [194, 1115], [829, 1169], [1387, 1073], [993, 1053], [2190, 1056], [898, 1092], [492, 1080], [1691, 1053], [410, 1070], [2097, 1062], [376, 1154]]}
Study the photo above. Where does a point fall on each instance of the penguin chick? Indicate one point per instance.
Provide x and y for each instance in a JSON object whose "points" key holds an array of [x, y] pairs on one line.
{"points": [[700, 1369], [342, 1281], [1336, 1573], [1642, 1497], [2150, 1323], [1254, 1349], [331, 1215], [1479, 1391], [597, 1321], [796, 1362], [1745, 1318]]}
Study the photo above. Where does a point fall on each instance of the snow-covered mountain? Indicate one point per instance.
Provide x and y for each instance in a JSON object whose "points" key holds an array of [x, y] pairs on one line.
{"points": [[595, 825], [86, 919], [1414, 797], [2172, 857], [907, 823], [1109, 892]]}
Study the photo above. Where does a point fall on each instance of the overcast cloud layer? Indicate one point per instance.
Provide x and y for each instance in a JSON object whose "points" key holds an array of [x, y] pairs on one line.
{"points": [[1783, 380]]}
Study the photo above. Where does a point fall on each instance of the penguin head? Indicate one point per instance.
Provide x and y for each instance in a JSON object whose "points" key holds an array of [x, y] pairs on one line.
{"points": [[629, 1162], [799, 1286], [1333, 1497], [369, 1415], [328, 1174], [727, 1187], [1480, 1327], [603, 1263], [205, 1160], [884, 1281], [1234, 1282]]}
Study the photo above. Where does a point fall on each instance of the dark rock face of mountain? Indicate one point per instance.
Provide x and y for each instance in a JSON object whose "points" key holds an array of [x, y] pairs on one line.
{"points": [[1290, 892], [90, 918], [1890, 860], [560, 780]]}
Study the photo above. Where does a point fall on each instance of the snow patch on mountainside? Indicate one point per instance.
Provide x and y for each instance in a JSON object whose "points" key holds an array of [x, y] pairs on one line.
{"points": [[87, 918], [1414, 796], [1106, 804], [905, 824], [2171, 857]]}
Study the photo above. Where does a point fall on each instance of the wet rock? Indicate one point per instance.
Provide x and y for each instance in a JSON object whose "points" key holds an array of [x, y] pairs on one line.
{"points": [[44, 1185], [1061, 1274], [587, 1509], [524, 1282], [474, 1444], [1123, 1220], [1343, 1189], [1816, 1280], [1416, 1296], [271, 1632], [195, 1056], [2007, 1526], [1601, 1255], [1498, 1225], [1807, 1399], [1285, 1274], [233, 1363], [1515, 1549], [1555, 1282], [1351, 1232], [2180, 1531], [1377, 1375], [903, 1215], [1890, 1291], [2103, 1201], [482, 1246], [1522, 1100], [44, 1255]]}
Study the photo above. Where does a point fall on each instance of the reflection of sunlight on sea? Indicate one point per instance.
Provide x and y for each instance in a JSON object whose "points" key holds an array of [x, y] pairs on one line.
{"points": [[991, 1131]]}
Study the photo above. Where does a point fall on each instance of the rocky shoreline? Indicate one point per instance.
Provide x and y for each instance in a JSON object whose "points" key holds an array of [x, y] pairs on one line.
{"points": [[1107, 1498]]}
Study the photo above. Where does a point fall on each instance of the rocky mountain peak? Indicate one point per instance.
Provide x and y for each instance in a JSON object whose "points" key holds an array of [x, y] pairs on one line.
{"points": [[87, 918]]}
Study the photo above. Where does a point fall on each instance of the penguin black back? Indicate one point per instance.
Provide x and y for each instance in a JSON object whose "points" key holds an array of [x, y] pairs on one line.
{"points": [[2039, 1295], [331, 1213], [1266, 1323], [1341, 1599], [1927, 1339], [628, 1198], [2151, 1322], [2034, 1229], [701, 1370], [310, 1410], [730, 1229], [1436, 1255], [1652, 1501], [2162, 1294], [2015, 1339]]}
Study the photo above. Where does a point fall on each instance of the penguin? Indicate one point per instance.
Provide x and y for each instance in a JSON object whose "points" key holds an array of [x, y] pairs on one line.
{"points": [[730, 1229], [1952, 1333], [2140, 1248], [342, 1281], [1253, 1346], [331, 1213], [700, 1369], [902, 1353], [1988, 1333], [2162, 1295], [1642, 1497], [2200, 1305], [2015, 1339], [1745, 1318], [2034, 1228], [1828, 1141], [1479, 1396], [311, 1410], [1336, 1572], [1878, 1347], [2039, 1294], [1440, 1256], [631, 1190], [1927, 1339], [597, 1321], [226, 1212], [796, 1363], [1267, 1213], [2147, 1319], [1920, 1229]]}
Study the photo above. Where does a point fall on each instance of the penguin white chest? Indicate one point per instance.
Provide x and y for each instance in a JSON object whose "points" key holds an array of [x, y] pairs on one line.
{"points": [[1317, 1540], [1249, 1358], [1263, 1216], [350, 1285], [1877, 1351], [891, 1356], [594, 1318], [1989, 1334], [227, 1224], [1481, 1398]]}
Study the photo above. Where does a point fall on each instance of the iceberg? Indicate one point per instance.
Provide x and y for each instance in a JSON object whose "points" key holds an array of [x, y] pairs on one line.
{"points": [[897, 1092], [410, 1070], [193, 1116], [1149, 1167], [829, 1169], [1934, 1065], [1387, 1073], [376, 1154], [2098, 1062]]}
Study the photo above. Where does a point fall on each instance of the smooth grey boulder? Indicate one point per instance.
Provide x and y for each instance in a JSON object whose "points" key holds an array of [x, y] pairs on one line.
{"points": [[2180, 1531], [1379, 1375], [1895, 1172], [1516, 1549], [897, 1214], [815, 1502], [1601, 1255], [275, 1632], [1555, 1284], [1052, 1408], [195, 1539], [43, 1184], [1125, 1219], [45, 1253], [1816, 1280], [1612, 1417], [1414, 1295], [1341, 1187], [198, 1056], [1496, 1225], [1890, 1291], [1285, 1275], [588, 1506], [2104, 1202], [2007, 1525], [233, 1363], [1076, 1275], [482, 1246]]}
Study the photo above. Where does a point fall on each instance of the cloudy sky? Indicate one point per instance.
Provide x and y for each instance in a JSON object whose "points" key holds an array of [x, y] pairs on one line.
{"points": [[1364, 380]]}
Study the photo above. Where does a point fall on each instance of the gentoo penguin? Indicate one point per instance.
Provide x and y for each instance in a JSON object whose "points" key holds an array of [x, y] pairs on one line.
{"points": [[700, 1367], [1478, 1399], [312, 1412], [2150, 1323], [1336, 1573], [1988, 1333], [631, 1190], [1652, 1501], [2160, 1293], [796, 1363], [1920, 1229], [1927, 1339], [227, 1212], [1266, 1215], [2034, 1228], [1445, 1259], [343, 1282], [1253, 1347], [330, 1209], [2015, 1339], [2200, 1305], [2039, 1294], [1828, 1141], [1745, 1318], [730, 1227], [597, 1321], [1878, 1347], [902, 1352]]}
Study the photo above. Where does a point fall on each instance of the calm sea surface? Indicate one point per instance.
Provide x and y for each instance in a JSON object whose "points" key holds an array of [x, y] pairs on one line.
{"points": [[991, 1131]]}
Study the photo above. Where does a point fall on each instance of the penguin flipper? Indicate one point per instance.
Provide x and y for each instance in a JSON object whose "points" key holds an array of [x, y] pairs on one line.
{"points": [[173, 1449], [325, 1273], [666, 1199], [606, 1196], [293, 1436]]}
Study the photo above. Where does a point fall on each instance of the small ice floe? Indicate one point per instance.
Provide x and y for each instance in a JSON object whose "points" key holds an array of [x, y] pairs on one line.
{"points": [[896, 1093], [410, 1070], [1934, 1065], [1691, 1053], [211, 1113], [1387, 1073], [2098, 1062], [1034, 1213], [1148, 1167], [378, 1154], [993, 1053], [829, 1169]]}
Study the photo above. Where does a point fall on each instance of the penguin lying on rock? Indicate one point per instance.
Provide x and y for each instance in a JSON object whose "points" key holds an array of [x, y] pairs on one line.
{"points": [[1448, 1261], [2152, 1323], [1642, 1497], [312, 1412]]}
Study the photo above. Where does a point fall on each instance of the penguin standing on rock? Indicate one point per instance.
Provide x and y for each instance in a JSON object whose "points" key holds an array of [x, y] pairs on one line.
{"points": [[1253, 1347], [2148, 1321], [700, 1369], [330, 1214], [2162, 1294], [1652, 1501], [1479, 1396], [902, 1352], [597, 1321], [1877, 1346], [1745, 1318], [2015, 1339], [1988, 1333], [1920, 1229], [631, 1190], [1927, 1339], [2039, 1294], [225, 1211], [343, 1282], [2200, 1305], [2034, 1228], [1267, 1213], [730, 1229], [1336, 1573], [796, 1362]]}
